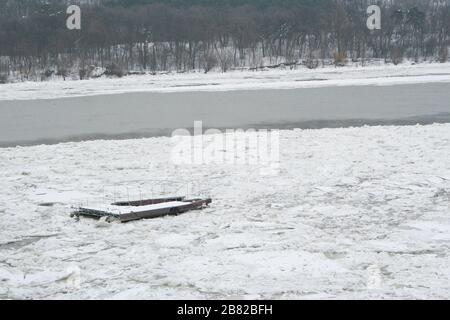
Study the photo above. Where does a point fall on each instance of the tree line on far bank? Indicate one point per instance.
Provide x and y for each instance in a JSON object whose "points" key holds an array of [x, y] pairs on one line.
{"points": [[132, 36]]}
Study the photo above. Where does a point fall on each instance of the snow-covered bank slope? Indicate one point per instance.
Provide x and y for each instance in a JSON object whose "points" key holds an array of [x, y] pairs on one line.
{"points": [[353, 213], [238, 80]]}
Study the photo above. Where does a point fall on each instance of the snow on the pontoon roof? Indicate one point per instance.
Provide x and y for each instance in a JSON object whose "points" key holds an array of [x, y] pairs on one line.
{"points": [[351, 213], [127, 209], [375, 74]]}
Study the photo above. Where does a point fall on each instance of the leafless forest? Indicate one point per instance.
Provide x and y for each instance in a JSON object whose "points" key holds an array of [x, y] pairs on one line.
{"points": [[120, 37]]}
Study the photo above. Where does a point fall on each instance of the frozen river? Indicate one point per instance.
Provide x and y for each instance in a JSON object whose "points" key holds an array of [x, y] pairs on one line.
{"points": [[146, 114], [352, 213], [355, 213]]}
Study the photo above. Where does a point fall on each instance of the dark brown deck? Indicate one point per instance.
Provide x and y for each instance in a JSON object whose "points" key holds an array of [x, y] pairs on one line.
{"points": [[192, 204]]}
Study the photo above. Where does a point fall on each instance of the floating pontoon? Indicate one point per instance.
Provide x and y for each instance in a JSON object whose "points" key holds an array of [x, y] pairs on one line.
{"points": [[142, 209]]}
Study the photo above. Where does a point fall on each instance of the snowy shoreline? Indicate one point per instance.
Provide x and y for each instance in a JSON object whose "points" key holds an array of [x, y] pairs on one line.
{"points": [[356, 213], [378, 74]]}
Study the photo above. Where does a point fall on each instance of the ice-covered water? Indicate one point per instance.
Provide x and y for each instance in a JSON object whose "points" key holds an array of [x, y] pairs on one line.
{"points": [[352, 213]]}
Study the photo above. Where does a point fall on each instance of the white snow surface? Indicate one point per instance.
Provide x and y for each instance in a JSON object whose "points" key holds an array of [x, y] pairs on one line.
{"points": [[129, 209], [351, 213], [377, 73]]}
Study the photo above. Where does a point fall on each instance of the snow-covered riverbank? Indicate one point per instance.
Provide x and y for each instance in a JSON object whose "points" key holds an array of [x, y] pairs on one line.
{"points": [[373, 74], [352, 213]]}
